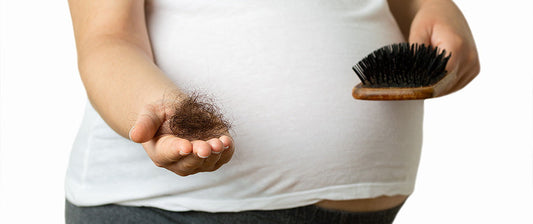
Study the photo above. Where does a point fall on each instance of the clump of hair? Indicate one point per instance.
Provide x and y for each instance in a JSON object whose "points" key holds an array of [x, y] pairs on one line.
{"points": [[197, 117]]}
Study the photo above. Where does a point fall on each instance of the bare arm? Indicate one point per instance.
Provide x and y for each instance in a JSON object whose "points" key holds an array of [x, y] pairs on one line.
{"points": [[404, 11], [128, 90], [115, 60]]}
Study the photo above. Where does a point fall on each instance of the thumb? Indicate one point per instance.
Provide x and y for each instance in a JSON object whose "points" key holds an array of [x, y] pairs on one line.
{"points": [[443, 37], [147, 124], [441, 40], [448, 42], [420, 33]]}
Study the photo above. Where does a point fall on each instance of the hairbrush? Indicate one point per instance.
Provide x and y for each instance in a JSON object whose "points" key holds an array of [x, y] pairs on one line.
{"points": [[402, 71]]}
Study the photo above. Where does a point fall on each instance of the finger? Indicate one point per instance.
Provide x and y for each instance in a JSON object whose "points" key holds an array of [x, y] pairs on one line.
{"points": [[211, 162], [420, 34], [425, 33], [466, 79], [188, 165], [201, 148], [216, 145], [194, 163], [169, 149], [447, 39], [462, 61], [225, 157], [472, 71], [227, 142], [147, 124], [457, 86]]}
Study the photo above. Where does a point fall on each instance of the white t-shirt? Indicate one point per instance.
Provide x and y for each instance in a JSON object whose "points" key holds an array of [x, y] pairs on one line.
{"points": [[281, 71]]}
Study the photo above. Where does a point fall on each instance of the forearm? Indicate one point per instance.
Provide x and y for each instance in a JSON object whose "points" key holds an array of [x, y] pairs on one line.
{"points": [[120, 79], [404, 11], [115, 60]]}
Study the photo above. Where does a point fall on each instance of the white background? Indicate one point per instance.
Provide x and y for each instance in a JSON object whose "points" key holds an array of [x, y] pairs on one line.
{"points": [[477, 158]]}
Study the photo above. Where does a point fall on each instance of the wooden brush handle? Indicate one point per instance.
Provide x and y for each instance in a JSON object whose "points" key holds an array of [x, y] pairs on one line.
{"points": [[362, 93], [396, 93]]}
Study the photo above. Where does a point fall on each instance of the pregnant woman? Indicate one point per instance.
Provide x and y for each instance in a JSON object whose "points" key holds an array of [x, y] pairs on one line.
{"points": [[300, 150]]}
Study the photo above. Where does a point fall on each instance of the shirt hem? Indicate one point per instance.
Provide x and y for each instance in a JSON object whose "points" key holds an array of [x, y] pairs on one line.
{"points": [[283, 201]]}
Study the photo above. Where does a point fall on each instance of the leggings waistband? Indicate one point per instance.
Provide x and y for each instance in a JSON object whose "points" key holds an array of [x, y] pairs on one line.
{"points": [[310, 214]]}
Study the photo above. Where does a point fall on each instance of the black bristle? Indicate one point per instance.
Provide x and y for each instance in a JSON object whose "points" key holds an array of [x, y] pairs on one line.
{"points": [[402, 65]]}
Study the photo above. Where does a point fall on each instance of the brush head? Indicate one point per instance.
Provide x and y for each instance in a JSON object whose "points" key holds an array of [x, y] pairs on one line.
{"points": [[402, 65]]}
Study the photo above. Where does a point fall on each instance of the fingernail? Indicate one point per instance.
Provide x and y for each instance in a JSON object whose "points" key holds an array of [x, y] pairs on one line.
{"points": [[226, 147], [131, 131], [215, 152], [184, 153], [203, 157]]}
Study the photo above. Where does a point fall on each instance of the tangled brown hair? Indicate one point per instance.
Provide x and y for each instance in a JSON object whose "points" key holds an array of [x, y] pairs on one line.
{"points": [[197, 117]]}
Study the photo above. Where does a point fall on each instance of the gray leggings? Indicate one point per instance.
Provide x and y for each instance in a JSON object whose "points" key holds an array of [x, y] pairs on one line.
{"points": [[116, 214]]}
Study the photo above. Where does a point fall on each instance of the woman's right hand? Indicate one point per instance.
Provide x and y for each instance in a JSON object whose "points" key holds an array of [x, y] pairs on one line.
{"points": [[178, 155]]}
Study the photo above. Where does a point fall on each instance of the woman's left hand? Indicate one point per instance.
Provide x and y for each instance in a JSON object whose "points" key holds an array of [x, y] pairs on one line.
{"points": [[441, 24]]}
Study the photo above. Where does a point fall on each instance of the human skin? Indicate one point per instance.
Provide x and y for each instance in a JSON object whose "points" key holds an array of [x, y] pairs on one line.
{"points": [[128, 90], [439, 23]]}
